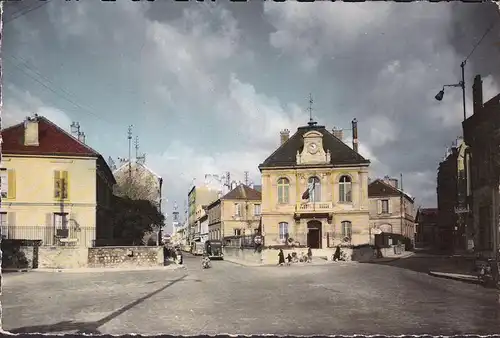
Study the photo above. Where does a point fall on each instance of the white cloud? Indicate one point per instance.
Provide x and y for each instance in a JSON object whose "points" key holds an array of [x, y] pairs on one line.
{"points": [[20, 104], [490, 87]]}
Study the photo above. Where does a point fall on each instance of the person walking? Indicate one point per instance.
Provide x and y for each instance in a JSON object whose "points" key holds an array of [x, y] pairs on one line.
{"points": [[309, 255], [281, 258]]}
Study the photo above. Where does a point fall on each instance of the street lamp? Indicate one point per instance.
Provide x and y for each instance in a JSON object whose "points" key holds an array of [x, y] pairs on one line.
{"points": [[439, 96]]}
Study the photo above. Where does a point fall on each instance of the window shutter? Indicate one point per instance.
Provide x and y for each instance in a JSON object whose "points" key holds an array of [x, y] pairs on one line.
{"points": [[57, 185], [379, 206], [12, 184], [65, 185], [389, 206], [49, 229]]}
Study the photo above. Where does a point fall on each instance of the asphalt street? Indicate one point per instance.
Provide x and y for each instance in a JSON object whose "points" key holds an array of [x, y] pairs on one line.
{"points": [[344, 298]]}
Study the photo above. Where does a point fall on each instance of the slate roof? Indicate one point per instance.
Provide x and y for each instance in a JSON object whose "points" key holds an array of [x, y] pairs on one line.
{"points": [[52, 140], [379, 188], [286, 154], [243, 192]]}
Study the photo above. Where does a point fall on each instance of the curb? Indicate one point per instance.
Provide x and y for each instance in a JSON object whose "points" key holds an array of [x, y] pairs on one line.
{"points": [[457, 278], [244, 264], [98, 270]]}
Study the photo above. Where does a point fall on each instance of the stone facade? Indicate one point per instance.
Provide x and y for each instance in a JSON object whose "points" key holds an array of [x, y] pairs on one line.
{"points": [[125, 257], [54, 257]]}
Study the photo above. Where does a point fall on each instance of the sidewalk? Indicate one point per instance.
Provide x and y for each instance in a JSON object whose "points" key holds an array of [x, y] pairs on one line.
{"points": [[315, 262], [405, 254]]}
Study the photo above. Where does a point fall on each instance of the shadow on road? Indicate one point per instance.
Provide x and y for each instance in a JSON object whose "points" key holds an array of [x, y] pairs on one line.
{"points": [[90, 327]]}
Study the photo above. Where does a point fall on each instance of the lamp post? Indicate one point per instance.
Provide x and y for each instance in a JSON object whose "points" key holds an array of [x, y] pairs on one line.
{"points": [[439, 96]]}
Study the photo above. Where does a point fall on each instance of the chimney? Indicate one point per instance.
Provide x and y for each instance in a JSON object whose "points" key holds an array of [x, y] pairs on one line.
{"points": [[338, 133], [393, 182], [31, 131], [477, 94], [355, 135], [81, 137], [284, 136]]}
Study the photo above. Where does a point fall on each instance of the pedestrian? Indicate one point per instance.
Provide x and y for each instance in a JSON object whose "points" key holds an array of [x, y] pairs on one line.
{"points": [[336, 255], [281, 258], [309, 255], [289, 259]]}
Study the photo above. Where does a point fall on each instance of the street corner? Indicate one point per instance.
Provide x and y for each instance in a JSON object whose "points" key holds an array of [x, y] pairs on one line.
{"points": [[455, 276]]}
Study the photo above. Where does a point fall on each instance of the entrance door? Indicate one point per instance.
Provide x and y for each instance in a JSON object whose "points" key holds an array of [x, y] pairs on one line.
{"points": [[314, 234]]}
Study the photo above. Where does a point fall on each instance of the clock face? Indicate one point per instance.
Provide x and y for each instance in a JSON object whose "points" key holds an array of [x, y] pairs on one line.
{"points": [[313, 148]]}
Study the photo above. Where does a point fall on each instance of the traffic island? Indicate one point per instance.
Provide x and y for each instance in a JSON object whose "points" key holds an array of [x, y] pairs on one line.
{"points": [[456, 276]]}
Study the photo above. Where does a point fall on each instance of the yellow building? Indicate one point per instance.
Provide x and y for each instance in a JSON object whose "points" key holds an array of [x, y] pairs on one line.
{"points": [[315, 190], [55, 188], [198, 197], [235, 214]]}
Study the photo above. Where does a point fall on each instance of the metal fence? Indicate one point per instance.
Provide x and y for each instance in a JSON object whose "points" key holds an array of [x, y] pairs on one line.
{"points": [[50, 235], [247, 241]]}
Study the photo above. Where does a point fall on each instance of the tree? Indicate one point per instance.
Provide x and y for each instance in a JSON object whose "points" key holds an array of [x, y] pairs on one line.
{"points": [[138, 187], [133, 219]]}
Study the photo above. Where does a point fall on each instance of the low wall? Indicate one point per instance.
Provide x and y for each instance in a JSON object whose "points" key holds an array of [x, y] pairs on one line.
{"points": [[19, 254], [132, 256], [247, 255], [56, 257]]}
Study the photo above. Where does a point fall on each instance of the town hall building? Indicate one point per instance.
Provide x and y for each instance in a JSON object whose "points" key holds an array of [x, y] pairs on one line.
{"points": [[315, 190]]}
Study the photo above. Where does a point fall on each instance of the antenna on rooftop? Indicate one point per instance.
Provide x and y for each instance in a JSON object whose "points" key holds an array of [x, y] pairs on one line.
{"points": [[310, 109]]}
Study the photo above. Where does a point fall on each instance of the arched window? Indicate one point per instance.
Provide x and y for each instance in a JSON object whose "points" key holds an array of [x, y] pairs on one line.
{"points": [[314, 189], [283, 230], [345, 189], [346, 229], [283, 190]]}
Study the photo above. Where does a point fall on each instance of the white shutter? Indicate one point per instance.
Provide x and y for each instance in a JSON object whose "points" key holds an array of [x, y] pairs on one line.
{"points": [[389, 206], [379, 206]]}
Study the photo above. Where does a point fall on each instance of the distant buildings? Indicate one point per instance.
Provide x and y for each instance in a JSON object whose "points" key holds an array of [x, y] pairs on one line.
{"points": [[235, 214], [315, 190], [392, 214], [55, 188], [198, 197]]}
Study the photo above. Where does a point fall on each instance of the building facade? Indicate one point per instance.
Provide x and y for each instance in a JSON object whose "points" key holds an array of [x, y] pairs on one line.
{"points": [[315, 190], [482, 135], [235, 214], [55, 188], [452, 191], [198, 196], [392, 214], [426, 227]]}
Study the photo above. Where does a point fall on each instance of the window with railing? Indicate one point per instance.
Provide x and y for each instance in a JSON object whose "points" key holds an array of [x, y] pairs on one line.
{"points": [[314, 189], [283, 230], [61, 225], [346, 230], [256, 209], [385, 206], [237, 232]]}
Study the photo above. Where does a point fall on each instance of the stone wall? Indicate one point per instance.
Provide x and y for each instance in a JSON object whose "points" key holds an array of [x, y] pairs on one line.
{"points": [[118, 257], [247, 255], [56, 257], [20, 254]]}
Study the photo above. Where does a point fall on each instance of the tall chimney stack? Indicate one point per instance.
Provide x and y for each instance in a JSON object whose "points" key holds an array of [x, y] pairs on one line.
{"points": [[477, 94], [284, 136], [31, 136], [355, 135]]}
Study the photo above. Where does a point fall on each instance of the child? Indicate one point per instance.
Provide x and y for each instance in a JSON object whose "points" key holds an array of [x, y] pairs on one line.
{"points": [[289, 259]]}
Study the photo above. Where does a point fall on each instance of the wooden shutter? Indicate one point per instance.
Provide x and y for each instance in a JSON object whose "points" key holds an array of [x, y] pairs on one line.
{"points": [[57, 184], [379, 206], [65, 184], [12, 183], [389, 206]]}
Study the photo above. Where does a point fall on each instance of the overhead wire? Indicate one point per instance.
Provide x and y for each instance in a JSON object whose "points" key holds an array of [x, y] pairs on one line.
{"points": [[14, 16]]}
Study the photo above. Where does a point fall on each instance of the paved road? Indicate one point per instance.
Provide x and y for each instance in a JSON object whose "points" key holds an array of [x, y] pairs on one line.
{"points": [[330, 299]]}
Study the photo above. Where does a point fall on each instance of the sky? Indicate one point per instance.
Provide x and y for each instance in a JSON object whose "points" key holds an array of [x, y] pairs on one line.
{"points": [[208, 86]]}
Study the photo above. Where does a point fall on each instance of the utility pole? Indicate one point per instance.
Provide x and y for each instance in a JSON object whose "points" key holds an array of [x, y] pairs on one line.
{"points": [[136, 144], [129, 152]]}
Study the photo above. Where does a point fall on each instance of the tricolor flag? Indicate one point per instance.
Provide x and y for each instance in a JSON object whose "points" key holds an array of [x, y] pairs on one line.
{"points": [[307, 194]]}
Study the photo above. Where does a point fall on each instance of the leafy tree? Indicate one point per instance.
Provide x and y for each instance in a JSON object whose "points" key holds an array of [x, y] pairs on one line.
{"points": [[133, 219], [137, 187]]}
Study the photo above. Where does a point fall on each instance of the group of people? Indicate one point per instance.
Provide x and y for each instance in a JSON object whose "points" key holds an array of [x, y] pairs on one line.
{"points": [[293, 258]]}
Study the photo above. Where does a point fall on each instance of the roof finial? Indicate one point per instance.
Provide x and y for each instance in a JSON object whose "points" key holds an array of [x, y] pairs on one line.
{"points": [[311, 121]]}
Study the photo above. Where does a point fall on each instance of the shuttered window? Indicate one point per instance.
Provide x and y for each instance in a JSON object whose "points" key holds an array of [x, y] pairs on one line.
{"points": [[61, 184]]}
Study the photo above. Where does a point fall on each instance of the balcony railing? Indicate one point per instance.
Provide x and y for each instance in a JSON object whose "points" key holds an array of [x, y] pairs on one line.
{"points": [[316, 206], [50, 235]]}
